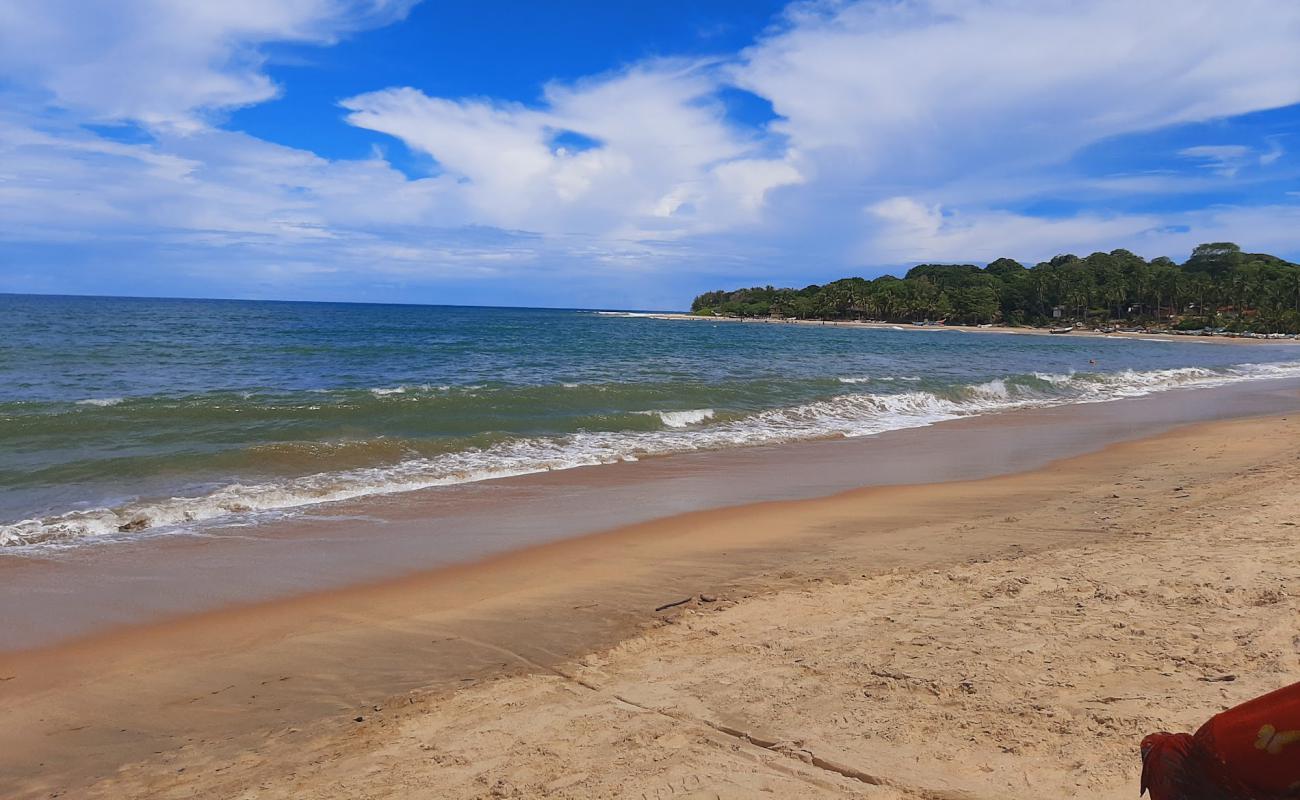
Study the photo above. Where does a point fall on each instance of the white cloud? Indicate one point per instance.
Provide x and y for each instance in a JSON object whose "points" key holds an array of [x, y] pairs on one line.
{"points": [[906, 230], [230, 213], [933, 115], [209, 183], [1274, 152], [164, 63], [974, 104], [933, 88], [664, 160], [1222, 159]]}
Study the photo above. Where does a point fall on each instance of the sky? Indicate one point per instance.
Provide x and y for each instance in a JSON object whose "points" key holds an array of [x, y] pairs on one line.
{"points": [[592, 154]]}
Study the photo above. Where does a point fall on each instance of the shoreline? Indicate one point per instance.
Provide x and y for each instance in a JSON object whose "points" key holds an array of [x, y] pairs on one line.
{"points": [[1022, 331], [377, 539], [202, 693], [272, 480]]}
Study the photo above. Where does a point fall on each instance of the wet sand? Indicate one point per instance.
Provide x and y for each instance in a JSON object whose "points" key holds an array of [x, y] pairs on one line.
{"points": [[815, 632], [379, 538]]}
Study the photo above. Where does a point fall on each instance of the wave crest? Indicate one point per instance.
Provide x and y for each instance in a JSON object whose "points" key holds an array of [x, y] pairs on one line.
{"points": [[101, 402], [847, 415], [682, 419]]}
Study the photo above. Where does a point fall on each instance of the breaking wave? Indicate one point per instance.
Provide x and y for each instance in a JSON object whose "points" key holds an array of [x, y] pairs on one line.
{"points": [[681, 419], [101, 402], [844, 415]]}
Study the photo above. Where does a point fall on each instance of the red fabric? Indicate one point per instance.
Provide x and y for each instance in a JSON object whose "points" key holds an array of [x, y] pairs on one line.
{"points": [[1175, 766], [1258, 743]]}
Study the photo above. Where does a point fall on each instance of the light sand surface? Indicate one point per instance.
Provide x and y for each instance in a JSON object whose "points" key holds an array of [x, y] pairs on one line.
{"points": [[1011, 637], [903, 326]]}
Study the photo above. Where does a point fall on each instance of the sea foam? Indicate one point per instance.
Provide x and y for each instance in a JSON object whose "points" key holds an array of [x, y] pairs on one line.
{"points": [[682, 419], [848, 415]]}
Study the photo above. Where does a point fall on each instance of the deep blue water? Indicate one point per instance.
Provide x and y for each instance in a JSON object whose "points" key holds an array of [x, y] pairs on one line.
{"points": [[121, 415]]}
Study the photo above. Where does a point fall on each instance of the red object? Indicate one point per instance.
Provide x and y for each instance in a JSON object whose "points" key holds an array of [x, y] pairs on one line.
{"points": [[1250, 752]]}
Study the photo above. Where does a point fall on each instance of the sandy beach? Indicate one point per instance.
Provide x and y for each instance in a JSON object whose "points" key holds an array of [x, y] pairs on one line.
{"points": [[1019, 331], [1004, 637], [404, 400]]}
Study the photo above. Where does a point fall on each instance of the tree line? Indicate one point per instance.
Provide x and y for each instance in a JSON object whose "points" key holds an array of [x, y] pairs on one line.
{"points": [[1219, 286]]}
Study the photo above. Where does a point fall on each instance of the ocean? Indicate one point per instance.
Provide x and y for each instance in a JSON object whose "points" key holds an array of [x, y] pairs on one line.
{"points": [[123, 417]]}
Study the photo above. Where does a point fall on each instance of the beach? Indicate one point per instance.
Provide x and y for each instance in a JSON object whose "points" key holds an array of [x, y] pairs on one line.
{"points": [[1007, 636], [420, 551], [404, 400], [211, 413], [1016, 330]]}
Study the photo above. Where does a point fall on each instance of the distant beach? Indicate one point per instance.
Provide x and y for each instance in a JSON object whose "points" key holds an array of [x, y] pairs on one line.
{"points": [[1011, 329]]}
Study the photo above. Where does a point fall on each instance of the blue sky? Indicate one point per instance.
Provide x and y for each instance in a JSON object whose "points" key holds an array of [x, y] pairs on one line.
{"points": [[603, 154]]}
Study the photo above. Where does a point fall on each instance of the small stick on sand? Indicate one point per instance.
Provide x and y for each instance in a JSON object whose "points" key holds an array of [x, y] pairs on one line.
{"points": [[666, 606]]}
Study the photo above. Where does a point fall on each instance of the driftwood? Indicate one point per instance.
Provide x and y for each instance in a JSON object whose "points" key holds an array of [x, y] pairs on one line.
{"points": [[675, 603]]}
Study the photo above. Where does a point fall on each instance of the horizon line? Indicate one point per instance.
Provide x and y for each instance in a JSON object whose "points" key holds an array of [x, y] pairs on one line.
{"points": [[93, 296]]}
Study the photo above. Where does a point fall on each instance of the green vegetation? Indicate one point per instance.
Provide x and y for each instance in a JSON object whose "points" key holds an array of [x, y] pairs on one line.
{"points": [[1218, 287]]}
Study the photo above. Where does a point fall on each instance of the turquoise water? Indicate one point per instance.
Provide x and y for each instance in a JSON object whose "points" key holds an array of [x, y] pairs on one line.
{"points": [[134, 416]]}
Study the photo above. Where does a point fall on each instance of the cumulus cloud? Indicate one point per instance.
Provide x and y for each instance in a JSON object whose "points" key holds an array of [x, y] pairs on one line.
{"points": [[904, 130], [933, 87], [163, 63], [662, 158], [908, 231], [938, 115], [201, 185], [216, 213]]}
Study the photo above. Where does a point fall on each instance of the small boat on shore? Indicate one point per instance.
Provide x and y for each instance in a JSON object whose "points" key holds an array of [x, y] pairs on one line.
{"points": [[1061, 330]]}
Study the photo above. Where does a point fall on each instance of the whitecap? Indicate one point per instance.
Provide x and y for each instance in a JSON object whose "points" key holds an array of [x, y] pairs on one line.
{"points": [[681, 419], [848, 415]]}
